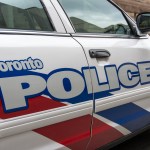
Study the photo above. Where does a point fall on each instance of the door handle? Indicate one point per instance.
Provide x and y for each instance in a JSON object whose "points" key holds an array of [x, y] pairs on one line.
{"points": [[99, 53]]}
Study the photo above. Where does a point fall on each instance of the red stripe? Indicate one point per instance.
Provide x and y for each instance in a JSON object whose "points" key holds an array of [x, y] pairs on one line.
{"points": [[74, 133], [103, 134], [35, 105]]}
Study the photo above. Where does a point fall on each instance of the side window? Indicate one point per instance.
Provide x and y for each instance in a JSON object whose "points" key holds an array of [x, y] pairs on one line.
{"points": [[95, 16], [24, 15]]}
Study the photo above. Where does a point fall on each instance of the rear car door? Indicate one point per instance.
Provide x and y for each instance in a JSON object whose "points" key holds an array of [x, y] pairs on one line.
{"points": [[43, 70], [119, 67]]}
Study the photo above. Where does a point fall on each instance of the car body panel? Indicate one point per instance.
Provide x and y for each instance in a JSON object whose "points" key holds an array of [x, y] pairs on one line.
{"points": [[60, 104]]}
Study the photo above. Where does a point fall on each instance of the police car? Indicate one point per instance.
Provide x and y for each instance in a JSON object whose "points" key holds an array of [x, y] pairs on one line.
{"points": [[74, 74]]}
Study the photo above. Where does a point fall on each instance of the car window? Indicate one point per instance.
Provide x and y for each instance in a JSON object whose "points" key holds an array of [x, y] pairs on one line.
{"points": [[24, 15], [95, 16]]}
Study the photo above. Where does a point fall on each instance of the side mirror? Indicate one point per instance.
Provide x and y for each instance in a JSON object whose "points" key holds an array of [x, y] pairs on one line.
{"points": [[143, 22]]}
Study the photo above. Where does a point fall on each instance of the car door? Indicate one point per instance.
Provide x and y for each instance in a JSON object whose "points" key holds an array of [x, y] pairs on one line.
{"points": [[119, 67], [44, 101]]}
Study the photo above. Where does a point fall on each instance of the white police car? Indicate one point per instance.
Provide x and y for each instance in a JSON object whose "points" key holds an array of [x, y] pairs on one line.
{"points": [[74, 74]]}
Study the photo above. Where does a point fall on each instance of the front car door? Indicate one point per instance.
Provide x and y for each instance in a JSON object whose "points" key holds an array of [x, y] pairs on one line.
{"points": [[119, 65], [43, 70]]}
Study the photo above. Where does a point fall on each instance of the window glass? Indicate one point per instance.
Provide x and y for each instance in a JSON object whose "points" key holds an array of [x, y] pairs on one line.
{"points": [[24, 14], [95, 16]]}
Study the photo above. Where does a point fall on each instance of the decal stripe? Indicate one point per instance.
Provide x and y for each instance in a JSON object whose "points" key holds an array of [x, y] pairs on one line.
{"points": [[102, 134], [145, 104], [30, 141], [74, 133], [129, 116], [35, 105], [118, 127]]}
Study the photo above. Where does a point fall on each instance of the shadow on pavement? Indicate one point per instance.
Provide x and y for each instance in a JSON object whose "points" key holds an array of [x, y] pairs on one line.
{"points": [[140, 142]]}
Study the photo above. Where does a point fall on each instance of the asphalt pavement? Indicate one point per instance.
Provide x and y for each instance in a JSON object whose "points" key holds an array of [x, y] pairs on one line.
{"points": [[140, 142]]}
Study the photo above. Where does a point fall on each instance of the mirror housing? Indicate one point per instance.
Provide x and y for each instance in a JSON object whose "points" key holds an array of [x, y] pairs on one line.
{"points": [[143, 22]]}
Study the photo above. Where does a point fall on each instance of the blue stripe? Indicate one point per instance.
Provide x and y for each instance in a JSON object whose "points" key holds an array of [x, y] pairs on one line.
{"points": [[129, 116]]}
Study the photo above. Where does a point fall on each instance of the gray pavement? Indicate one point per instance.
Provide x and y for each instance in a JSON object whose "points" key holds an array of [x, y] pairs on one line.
{"points": [[140, 142]]}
